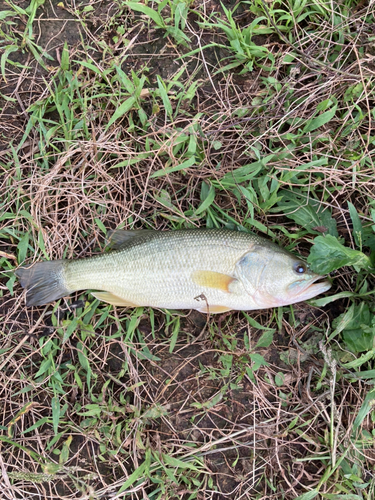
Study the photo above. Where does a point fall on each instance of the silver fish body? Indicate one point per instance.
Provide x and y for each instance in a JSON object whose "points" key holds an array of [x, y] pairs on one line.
{"points": [[211, 270]]}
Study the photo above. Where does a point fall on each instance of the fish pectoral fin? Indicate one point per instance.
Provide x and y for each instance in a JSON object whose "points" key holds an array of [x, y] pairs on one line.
{"points": [[214, 309], [212, 279], [110, 298]]}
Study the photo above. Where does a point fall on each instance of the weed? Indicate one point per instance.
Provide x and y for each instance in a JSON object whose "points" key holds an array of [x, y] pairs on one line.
{"points": [[174, 24], [27, 40], [245, 51]]}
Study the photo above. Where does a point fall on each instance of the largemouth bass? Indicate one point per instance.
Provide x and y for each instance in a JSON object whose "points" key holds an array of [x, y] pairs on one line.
{"points": [[211, 270]]}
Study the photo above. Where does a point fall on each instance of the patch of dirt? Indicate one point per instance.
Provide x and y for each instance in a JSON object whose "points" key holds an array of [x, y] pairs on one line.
{"points": [[241, 418], [26, 79]]}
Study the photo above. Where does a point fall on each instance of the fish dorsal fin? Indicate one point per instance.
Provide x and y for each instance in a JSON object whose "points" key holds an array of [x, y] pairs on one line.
{"points": [[120, 237], [110, 298], [212, 279]]}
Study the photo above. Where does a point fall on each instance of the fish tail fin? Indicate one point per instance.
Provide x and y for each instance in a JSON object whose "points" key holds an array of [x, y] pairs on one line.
{"points": [[44, 282]]}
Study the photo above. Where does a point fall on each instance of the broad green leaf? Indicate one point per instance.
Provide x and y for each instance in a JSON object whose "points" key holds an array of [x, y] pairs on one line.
{"points": [[145, 353], [164, 197], [122, 110], [69, 327], [96, 70], [266, 339], [64, 455], [32, 8], [186, 164], [22, 248], [356, 363], [65, 58], [338, 496], [100, 225], [357, 326], [178, 35], [175, 462], [357, 225], [207, 201], [261, 227], [6, 13], [176, 331], [81, 350], [153, 14], [328, 254], [365, 375], [366, 408], [353, 92], [254, 323], [137, 474], [191, 91], [192, 148], [310, 495], [242, 174], [320, 120], [258, 361], [327, 300], [8, 50], [55, 404], [251, 198], [10, 215], [28, 451], [164, 96], [307, 213], [360, 339], [9, 284], [288, 58], [125, 80], [341, 322], [39, 423], [41, 244], [44, 367], [279, 379]]}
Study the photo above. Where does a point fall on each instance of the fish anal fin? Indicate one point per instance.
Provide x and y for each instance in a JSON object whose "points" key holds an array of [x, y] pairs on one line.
{"points": [[214, 309], [212, 279], [110, 298]]}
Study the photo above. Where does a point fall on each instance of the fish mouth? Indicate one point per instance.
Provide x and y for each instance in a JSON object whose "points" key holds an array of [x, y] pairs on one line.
{"points": [[304, 290]]}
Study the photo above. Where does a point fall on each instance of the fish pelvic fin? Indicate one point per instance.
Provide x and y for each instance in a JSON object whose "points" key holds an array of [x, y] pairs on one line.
{"points": [[212, 279], [110, 298], [215, 309], [44, 282]]}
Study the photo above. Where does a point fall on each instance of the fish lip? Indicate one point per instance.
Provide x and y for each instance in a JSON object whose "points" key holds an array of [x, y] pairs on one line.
{"points": [[308, 291], [313, 287]]}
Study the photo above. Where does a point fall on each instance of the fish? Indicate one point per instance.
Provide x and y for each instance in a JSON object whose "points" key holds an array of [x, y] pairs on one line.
{"points": [[210, 270]]}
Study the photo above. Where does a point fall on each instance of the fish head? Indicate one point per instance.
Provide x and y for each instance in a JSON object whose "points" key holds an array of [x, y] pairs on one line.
{"points": [[274, 277]]}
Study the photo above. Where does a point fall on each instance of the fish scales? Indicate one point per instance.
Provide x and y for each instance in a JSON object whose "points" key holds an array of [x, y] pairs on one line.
{"points": [[208, 269], [155, 271]]}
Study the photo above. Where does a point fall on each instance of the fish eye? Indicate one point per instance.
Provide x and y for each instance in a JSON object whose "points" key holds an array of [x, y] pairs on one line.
{"points": [[300, 267]]}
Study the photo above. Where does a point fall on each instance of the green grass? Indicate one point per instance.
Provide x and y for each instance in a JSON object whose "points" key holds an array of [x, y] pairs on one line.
{"points": [[265, 124]]}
